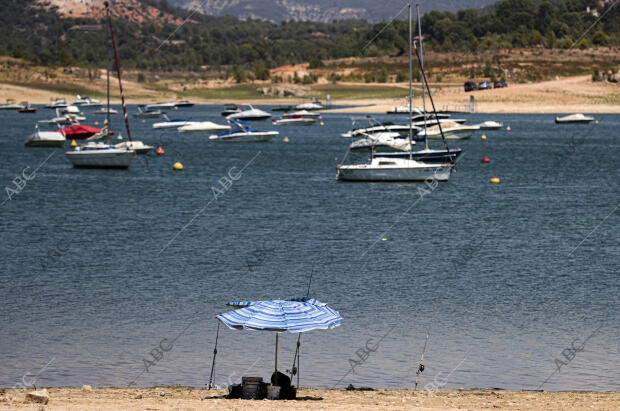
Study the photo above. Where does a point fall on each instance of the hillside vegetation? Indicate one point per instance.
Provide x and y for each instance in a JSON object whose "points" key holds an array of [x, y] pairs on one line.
{"points": [[38, 34]]}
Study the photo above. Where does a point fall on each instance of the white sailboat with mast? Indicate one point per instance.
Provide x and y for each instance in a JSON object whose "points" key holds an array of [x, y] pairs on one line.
{"points": [[97, 154], [403, 168]]}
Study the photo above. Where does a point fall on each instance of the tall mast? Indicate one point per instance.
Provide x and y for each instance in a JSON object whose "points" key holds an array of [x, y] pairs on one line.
{"points": [[118, 72], [410, 88], [107, 71], [417, 7]]}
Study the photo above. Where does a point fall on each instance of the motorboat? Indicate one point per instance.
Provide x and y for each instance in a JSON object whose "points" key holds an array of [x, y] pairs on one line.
{"points": [[10, 105], [203, 127], [184, 103], [230, 109], [83, 132], [311, 105], [420, 115], [71, 110], [241, 132], [574, 118], [394, 169], [147, 113], [249, 113], [295, 121], [433, 122], [399, 110], [170, 105], [45, 139], [100, 155], [27, 108], [375, 126], [382, 141], [138, 146], [86, 102], [105, 111], [57, 103], [490, 125], [64, 119], [173, 123], [302, 113], [450, 131]]}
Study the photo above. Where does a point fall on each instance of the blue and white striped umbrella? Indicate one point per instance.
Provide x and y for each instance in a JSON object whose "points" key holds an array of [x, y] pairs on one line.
{"points": [[281, 315]]}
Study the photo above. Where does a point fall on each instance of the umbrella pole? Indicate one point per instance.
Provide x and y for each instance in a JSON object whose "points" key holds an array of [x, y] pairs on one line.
{"points": [[276, 379]]}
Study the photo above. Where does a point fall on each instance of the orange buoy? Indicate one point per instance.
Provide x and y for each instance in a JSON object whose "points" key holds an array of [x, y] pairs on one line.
{"points": [[286, 140], [160, 151], [486, 160], [177, 166], [495, 180]]}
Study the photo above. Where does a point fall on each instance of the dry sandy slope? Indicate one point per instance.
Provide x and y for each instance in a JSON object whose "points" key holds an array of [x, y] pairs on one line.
{"points": [[187, 398], [566, 95]]}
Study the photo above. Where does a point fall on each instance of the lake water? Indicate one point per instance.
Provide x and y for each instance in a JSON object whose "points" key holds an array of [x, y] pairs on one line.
{"points": [[518, 280]]}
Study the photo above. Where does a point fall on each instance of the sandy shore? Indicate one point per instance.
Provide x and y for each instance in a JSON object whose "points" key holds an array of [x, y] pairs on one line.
{"points": [[565, 95], [188, 398]]}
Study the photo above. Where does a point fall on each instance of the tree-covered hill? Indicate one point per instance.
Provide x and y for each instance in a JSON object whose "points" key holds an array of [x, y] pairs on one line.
{"points": [[39, 34]]}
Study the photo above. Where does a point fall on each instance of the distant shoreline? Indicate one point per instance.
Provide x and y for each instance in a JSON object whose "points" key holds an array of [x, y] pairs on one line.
{"points": [[566, 95], [189, 398]]}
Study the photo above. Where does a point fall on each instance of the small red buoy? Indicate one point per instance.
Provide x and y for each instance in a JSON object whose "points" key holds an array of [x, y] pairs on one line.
{"points": [[160, 151], [486, 160], [273, 119]]}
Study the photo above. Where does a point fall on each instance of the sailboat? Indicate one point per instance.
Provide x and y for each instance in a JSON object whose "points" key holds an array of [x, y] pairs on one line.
{"points": [[98, 154], [432, 124], [397, 169]]}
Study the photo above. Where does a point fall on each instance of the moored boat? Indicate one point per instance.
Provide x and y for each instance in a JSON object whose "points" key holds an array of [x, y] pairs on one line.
{"points": [[243, 133], [574, 118]]}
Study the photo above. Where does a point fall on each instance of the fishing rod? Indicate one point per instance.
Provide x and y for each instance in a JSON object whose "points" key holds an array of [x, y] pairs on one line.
{"points": [[295, 370]]}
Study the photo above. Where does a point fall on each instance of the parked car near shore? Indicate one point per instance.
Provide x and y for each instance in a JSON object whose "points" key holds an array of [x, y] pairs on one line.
{"points": [[470, 86], [500, 84], [484, 85]]}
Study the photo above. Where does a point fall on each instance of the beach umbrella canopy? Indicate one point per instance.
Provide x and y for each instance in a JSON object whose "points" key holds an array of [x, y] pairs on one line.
{"points": [[281, 316], [294, 316]]}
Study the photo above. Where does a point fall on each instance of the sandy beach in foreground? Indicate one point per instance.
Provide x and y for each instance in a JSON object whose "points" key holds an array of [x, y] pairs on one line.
{"points": [[578, 94], [188, 398]]}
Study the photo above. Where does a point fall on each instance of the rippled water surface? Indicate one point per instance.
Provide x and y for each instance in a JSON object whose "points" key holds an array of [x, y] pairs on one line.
{"points": [[518, 280]]}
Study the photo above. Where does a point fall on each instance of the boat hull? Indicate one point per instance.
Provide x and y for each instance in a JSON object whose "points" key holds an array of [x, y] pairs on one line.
{"points": [[370, 173], [245, 137], [107, 159], [45, 143], [431, 156], [453, 134]]}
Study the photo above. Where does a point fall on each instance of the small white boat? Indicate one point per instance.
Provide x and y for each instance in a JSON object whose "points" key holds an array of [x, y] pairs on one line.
{"points": [[86, 102], [203, 127], [242, 133], [45, 139], [105, 111], [57, 103], [64, 119], [394, 169], [176, 123], [433, 122], [169, 105], [100, 155], [10, 105], [249, 113], [451, 131], [399, 110], [71, 110], [146, 113], [302, 113], [384, 141], [312, 105], [375, 126], [184, 103], [295, 121], [490, 125], [138, 146], [574, 118]]}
